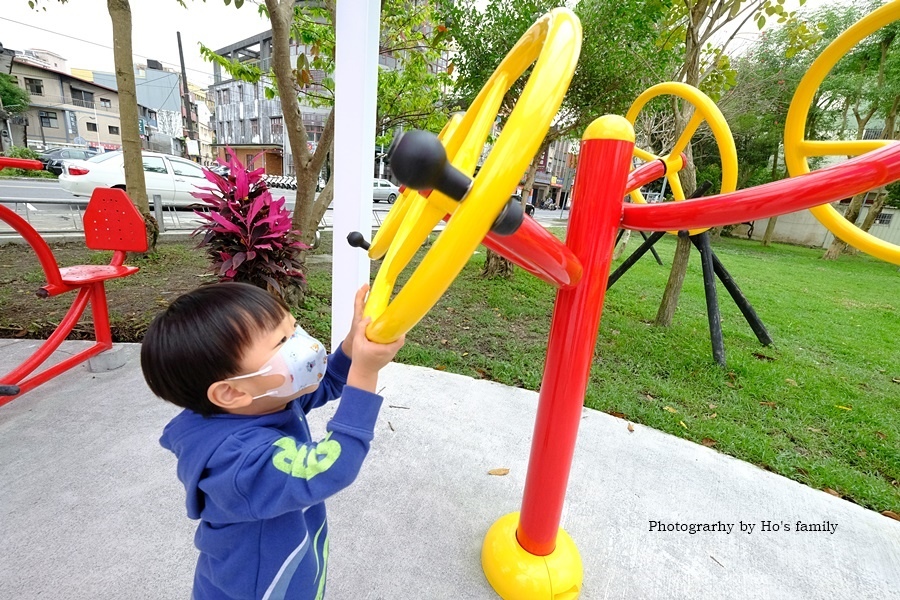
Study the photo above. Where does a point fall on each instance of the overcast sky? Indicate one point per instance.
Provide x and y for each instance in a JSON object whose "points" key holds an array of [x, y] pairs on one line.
{"points": [[155, 23]]}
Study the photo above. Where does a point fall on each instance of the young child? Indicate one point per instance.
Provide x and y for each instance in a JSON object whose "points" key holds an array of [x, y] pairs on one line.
{"points": [[233, 356]]}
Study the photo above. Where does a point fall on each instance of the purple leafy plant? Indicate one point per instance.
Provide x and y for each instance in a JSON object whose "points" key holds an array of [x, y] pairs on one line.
{"points": [[247, 233]]}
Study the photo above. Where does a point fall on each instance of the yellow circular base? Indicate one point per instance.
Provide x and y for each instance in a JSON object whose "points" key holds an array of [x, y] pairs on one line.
{"points": [[516, 574]]}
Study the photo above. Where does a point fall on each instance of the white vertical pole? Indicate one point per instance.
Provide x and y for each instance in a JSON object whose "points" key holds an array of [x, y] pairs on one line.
{"points": [[356, 86]]}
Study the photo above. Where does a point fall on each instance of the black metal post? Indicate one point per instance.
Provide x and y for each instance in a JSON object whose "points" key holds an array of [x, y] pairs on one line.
{"points": [[652, 250], [636, 256], [712, 299], [740, 300]]}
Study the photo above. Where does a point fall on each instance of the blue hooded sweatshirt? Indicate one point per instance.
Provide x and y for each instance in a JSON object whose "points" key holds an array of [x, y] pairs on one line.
{"points": [[258, 485]]}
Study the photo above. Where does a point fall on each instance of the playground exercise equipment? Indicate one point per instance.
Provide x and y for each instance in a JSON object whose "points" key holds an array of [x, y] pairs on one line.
{"points": [[526, 555], [111, 222]]}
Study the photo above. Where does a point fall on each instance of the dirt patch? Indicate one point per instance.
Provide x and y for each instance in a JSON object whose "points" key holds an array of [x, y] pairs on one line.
{"points": [[177, 267]]}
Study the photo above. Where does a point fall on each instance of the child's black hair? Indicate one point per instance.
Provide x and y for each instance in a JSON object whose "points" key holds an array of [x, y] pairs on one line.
{"points": [[200, 339]]}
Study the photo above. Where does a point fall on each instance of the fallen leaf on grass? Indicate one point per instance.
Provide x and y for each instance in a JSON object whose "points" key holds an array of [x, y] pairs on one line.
{"points": [[769, 404], [649, 397], [617, 414], [631, 428], [763, 356], [708, 442], [444, 342], [712, 406], [861, 453], [670, 409], [729, 384], [791, 381], [891, 514], [682, 424], [440, 367], [814, 430], [832, 492], [842, 407], [498, 472], [465, 353], [896, 379], [481, 373], [711, 416], [880, 435]]}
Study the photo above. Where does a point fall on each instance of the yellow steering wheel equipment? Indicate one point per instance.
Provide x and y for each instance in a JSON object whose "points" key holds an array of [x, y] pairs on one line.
{"points": [[554, 42], [706, 110], [797, 149]]}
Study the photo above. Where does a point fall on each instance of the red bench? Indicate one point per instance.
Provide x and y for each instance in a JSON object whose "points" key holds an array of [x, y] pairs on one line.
{"points": [[111, 222]]}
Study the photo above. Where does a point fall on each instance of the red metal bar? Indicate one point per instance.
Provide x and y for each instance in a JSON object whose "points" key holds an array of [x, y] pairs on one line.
{"points": [[100, 312], [596, 212], [20, 163], [644, 174], [539, 252], [45, 255], [868, 171]]}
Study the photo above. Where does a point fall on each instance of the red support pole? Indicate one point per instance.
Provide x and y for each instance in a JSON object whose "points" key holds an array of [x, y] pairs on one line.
{"points": [[596, 215]]}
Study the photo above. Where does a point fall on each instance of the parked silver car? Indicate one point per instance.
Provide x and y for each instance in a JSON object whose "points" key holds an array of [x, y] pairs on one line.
{"points": [[382, 189]]}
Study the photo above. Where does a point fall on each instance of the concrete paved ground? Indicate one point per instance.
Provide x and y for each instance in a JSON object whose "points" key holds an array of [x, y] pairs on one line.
{"points": [[90, 507]]}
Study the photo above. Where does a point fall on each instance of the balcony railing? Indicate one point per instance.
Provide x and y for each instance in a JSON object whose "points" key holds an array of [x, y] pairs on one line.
{"points": [[61, 102]]}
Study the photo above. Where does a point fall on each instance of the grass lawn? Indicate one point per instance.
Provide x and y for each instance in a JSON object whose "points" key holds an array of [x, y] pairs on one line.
{"points": [[822, 406]]}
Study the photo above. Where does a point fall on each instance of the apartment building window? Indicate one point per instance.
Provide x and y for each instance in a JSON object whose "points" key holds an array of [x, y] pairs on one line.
{"points": [[884, 219], [105, 103], [224, 96], [91, 127], [48, 119], [35, 86], [113, 130], [240, 93], [254, 127], [82, 98], [277, 125]]}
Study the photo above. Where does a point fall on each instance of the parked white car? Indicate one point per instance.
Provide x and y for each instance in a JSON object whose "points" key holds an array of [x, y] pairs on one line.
{"points": [[170, 177], [382, 189]]}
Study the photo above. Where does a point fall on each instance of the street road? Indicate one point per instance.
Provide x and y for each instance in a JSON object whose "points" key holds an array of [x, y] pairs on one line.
{"points": [[39, 189], [34, 201]]}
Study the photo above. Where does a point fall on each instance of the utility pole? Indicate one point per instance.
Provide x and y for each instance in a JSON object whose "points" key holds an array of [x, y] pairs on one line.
{"points": [[187, 94]]}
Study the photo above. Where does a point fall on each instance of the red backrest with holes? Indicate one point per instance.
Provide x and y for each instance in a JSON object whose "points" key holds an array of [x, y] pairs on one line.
{"points": [[112, 222]]}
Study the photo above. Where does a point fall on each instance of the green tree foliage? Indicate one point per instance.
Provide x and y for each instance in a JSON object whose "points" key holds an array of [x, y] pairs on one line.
{"points": [[15, 99], [409, 95], [618, 59]]}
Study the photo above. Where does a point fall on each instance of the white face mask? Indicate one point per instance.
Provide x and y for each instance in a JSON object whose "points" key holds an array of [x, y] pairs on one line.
{"points": [[301, 360]]}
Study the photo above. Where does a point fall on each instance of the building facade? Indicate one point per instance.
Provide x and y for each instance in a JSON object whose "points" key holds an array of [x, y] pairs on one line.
{"points": [[67, 110], [249, 123]]}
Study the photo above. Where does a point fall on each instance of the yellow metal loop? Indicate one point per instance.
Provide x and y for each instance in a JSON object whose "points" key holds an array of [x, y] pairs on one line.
{"points": [[797, 149], [554, 41], [706, 110]]}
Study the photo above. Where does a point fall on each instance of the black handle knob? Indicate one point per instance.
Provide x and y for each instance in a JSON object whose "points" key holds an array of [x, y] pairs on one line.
{"points": [[356, 239], [419, 161], [9, 390]]}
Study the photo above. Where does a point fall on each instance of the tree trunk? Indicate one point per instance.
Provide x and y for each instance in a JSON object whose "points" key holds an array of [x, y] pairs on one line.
{"points": [[120, 15], [669, 303], [307, 165], [497, 266], [620, 247], [688, 177], [770, 231], [874, 210], [838, 246]]}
